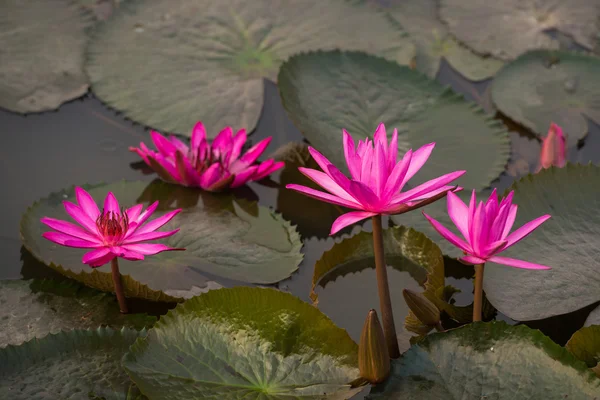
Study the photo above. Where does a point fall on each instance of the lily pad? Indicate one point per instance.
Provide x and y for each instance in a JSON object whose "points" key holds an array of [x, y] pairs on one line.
{"points": [[324, 92], [585, 345], [250, 343], [488, 361], [434, 42], [256, 249], [541, 87], [42, 49], [569, 242], [35, 308], [508, 28], [69, 365], [217, 54]]}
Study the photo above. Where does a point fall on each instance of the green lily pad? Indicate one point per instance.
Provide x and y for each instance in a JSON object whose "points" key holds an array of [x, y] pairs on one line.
{"points": [[593, 318], [585, 345], [217, 54], [324, 92], [568, 242], [260, 248], [42, 44], [80, 364], [541, 87], [508, 28], [312, 217], [434, 42], [250, 343], [488, 361], [33, 309]]}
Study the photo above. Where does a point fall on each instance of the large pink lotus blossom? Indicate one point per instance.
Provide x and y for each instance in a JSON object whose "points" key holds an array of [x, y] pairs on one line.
{"points": [[212, 167], [110, 233], [485, 229], [554, 149], [377, 179]]}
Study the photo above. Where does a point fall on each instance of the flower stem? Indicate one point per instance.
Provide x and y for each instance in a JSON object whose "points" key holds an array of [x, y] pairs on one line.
{"points": [[116, 275], [385, 302], [478, 300]]}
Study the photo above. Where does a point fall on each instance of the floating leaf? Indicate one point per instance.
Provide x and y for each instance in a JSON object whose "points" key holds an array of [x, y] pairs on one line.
{"points": [[32, 309], [541, 87], [508, 28], [568, 242], [249, 343], [324, 92], [258, 249], [433, 41], [42, 44], [488, 361], [103, 9], [585, 345], [216, 55], [80, 364]]}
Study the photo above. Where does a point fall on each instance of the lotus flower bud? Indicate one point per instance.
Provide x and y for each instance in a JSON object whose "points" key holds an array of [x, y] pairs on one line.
{"points": [[553, 148], [423, 308], [373, 356]]}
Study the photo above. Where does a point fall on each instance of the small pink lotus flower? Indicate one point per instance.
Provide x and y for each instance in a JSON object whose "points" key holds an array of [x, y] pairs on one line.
{"points": [[210, 167], [377, 179], [554, 151], [485, 229], [112, 232]]}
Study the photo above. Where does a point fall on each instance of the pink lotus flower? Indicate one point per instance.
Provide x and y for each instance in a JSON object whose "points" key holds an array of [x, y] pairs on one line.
{"points": [[553, 149], [112, 232], [485, 229], [377, 179], [210, 167]]}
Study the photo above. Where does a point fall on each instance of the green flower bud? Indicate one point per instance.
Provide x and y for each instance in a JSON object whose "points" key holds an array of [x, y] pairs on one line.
{"points": [[373, 356], [422, 307]]}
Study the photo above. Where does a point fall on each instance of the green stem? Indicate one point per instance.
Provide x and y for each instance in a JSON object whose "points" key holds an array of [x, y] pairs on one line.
{"points": [[478, 293], [385, 301], [116, 275]]}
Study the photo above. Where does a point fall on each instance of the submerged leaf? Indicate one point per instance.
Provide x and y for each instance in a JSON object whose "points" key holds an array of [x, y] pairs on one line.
{"points": [[42, 44], [568, 242], [324, 92], [249, 343], [35, 308], [216, 55], [488, 360], [585, 345], [261, 248], [80, 364]]}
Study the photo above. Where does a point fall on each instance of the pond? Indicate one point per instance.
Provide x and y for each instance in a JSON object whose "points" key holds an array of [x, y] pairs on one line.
{"points": [[86, 142]]}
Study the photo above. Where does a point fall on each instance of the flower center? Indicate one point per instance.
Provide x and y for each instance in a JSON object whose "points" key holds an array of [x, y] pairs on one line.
{"points": [[112, 226], [201, 162]]}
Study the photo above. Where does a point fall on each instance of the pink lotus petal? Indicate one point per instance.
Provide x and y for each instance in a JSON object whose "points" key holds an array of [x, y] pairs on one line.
{"points": [[419, 159], [185, 170], [238, 142], [396, 178], [224, 182], [211, 175], [426, 187], [70, 229], [511, 262], [223, 142], [380, 172], [393, 150], [255, 151], [140, 153], [448, 235], [121, 251], [479, 230], [352, 160], [348, 219], [342, 182], [244, 176], [146, 214], [156, 223], [87, 203], [491, 206], [495, 247], [69, 241], [267, 168], [111, 204], [162, 144], [510, 220], [525, 230], [554, 150], [322, 196], [142, 237], [198, 135], [367, 164], [168, 165], [459, 214], [179, 145], [149, 249], [134, 212], [380, 138], [325, 181], [321, 160], [434, 193], [81, 217], [365, 196], [98, 257], [472, 260]]}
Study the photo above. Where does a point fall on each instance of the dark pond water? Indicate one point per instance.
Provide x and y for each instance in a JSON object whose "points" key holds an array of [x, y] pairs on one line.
{"points": [[84, 142]]}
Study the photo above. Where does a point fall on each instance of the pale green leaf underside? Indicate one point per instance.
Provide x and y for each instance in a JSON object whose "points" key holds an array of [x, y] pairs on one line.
{"points": [[34, 308], [488, 361], [585, 345], [568, 242], [215, 55], [80, 364], [324, 92], [42, 49], [508, 28], [258, 248], [249, 343], [541, 87], [593, 318]]}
